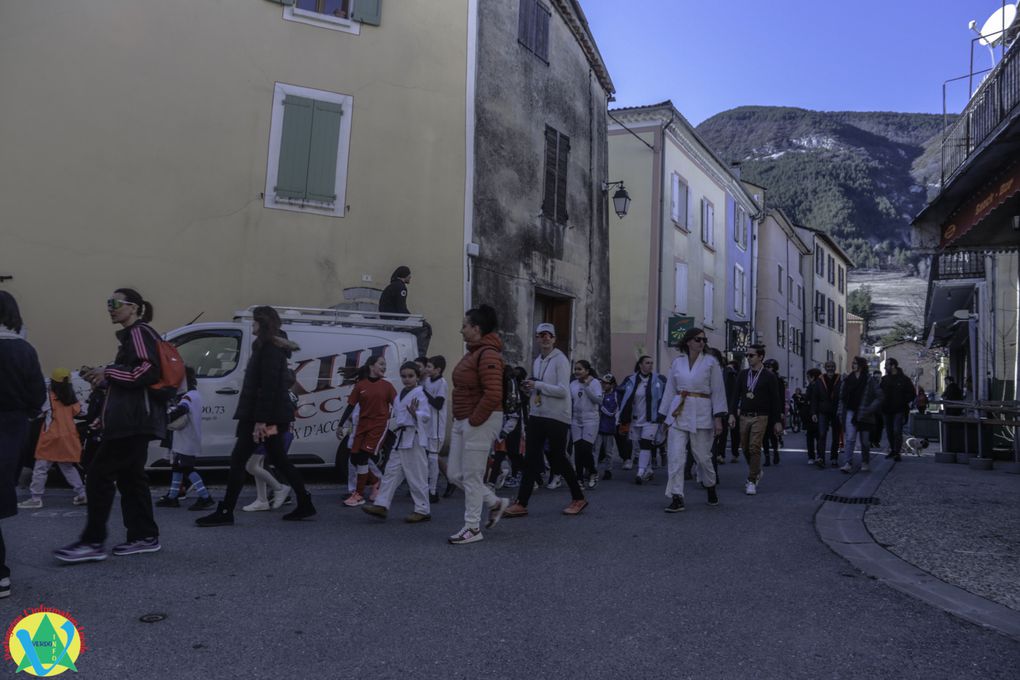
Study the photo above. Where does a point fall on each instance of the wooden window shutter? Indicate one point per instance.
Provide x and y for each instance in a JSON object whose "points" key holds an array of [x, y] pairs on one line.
{"points": [[549, 197], [367, 11], [541, 32], [292, 171], [322, 153], [526, 23], [563, 159]]}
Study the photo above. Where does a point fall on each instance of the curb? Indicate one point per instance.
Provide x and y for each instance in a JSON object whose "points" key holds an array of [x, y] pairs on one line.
{"points": [[841, 527]]}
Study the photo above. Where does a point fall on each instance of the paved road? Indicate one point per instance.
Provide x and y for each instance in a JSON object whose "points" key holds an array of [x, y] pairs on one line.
{"points": [[743, 590]]}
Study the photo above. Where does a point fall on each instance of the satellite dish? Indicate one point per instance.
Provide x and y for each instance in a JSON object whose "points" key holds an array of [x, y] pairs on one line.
{"points": [[994, 29]]}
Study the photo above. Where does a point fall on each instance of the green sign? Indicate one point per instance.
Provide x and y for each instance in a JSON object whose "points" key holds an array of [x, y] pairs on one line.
{"points": [[678, 325]]}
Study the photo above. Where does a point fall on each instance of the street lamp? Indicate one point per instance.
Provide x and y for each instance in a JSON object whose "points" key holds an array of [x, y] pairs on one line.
{"points": [[621, 199]]}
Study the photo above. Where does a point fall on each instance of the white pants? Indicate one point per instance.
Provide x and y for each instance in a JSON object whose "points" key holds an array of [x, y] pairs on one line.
{"points": [[701, 447], [410, 464], [469, 454], [263, 478], [433, 471], [42, 470]]}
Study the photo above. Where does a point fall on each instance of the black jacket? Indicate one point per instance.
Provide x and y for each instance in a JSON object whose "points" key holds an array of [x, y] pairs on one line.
{"points": [[394, 298], [265, 393], [898, 393], [131, 408], [861, 395], [22, 387], [824, 398], [768, 396]]}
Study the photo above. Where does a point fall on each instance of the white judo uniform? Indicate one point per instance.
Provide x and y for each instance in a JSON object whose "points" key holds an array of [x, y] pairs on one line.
{"points": [[694, 394], [408, 459]]}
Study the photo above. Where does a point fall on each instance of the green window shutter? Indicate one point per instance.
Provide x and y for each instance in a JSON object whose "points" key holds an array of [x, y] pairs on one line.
{"points": [[549, 197], [292, 171], [367, 11], [322, 152], [561, 179]]}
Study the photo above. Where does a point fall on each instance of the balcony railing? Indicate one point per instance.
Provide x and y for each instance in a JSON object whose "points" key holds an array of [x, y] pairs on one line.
{"points": [[993, 102], [958, 265]]}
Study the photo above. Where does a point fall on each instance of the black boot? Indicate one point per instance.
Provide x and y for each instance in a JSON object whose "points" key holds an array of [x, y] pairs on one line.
{"points": [[304, 509], [221, 517], [713, 497], [677, 505]]}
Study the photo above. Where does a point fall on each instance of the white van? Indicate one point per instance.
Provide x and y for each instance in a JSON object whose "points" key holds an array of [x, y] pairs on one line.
{"points": [[334, 343]]}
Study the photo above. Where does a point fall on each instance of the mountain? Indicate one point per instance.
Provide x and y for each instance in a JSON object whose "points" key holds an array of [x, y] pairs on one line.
{"points": [[861, 176]]}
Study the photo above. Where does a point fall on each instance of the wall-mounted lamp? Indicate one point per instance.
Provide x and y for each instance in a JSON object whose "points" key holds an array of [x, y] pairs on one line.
{"points": [[621, 199]]}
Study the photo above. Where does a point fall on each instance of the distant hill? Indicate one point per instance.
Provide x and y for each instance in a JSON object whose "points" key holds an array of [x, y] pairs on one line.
{"points": [[861, 176]]}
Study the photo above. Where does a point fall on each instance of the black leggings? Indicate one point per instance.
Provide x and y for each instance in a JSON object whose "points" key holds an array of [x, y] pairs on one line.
{"points": [[119, 464], [275, 455], [584, 458], [542, 431]]}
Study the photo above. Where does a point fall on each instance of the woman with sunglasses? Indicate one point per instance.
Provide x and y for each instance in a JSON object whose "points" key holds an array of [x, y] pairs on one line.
{"points": [[694, 406], [132, 416]]}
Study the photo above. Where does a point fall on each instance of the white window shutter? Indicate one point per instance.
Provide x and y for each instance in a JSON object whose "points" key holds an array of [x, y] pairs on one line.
{"points": [[680, 287], [674, 197], [711, 225], [690, 208], [709, 302]]}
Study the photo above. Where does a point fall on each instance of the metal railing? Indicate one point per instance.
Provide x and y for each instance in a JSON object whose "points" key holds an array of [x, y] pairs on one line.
{"points": [[994, 101], [957, 265]]}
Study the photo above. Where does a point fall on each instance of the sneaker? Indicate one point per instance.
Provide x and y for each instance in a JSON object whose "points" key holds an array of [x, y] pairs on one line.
{"points": [[608, 474], [516, 510], [168, 502], [767, 462], [257, 506], [220, 517], [593, 481], [512, 482], [834, 463], [639, 479], [280, 497], [649, 475], [713, 497], [466, 535], [416, 517], [750, 488], [865, 467], [80, 500], [575, 507], [202, 504], [140, 545], [497, 512], [5, 587], [81, 552], [720, 460], [628, 464], [304, 510], [354, 500], [433, 498], [811, 461], [555, 483], [30, 504], [820, 463], [676, 505], [846, 469], [375, 510]]}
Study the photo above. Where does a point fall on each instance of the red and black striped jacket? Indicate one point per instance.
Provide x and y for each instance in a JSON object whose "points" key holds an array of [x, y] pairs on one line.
{"points": [[131, 408]]}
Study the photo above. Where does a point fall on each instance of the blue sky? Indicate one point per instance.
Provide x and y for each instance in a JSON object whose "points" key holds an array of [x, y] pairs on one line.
{"points": [[864, 55]]}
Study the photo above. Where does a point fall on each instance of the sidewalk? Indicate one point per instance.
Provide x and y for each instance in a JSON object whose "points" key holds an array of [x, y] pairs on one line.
{"points": [[943, 533]]}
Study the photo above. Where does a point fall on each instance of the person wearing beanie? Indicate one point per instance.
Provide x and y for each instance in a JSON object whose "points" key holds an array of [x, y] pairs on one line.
{"points": [[58, 442], [394, 297]]}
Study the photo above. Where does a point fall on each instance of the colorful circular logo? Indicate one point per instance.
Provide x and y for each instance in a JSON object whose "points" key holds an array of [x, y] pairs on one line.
{"points": [[44, 642]]}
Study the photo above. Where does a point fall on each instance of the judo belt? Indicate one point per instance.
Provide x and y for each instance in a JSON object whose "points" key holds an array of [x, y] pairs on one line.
{"points": [[685, 394]]}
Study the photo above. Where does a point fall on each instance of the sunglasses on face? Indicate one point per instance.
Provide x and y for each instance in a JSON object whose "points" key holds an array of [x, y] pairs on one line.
{"points": [[699, 339], [113, 304]]}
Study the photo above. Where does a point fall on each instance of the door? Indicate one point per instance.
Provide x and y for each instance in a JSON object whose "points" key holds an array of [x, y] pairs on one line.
{"points": [[558, 311]]}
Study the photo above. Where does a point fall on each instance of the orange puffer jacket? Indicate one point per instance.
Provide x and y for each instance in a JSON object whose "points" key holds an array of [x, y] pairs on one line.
{"points": [[478, 381]]}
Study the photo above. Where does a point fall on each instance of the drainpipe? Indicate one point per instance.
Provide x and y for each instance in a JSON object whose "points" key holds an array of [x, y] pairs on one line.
{"points": [[662, 237]]}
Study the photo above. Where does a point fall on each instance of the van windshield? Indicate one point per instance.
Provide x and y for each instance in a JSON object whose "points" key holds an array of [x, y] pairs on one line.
{"points": [[212, 353]]}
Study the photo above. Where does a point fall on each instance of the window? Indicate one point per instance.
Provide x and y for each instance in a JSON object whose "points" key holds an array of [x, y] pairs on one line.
{"points": [[780, 332], [789, 288], [533, 28], [829, 355], [680, 287], [831, 316], [678, 201], [832, 269], [780, 279], [557, 156], [739, 290], [841, 320], [738, 222], [212, 353], [309, 140], [819, 260], [338, 15], [800, 297], [842, 279], [709, 313], [707, 222], [819, 307]]}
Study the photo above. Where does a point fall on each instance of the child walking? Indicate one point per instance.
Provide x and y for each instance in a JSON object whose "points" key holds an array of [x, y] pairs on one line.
{"points": [[59, 442], [375, 396], [605, 442], [436, 392], [185, 425], [586, 398], [408, 460]]}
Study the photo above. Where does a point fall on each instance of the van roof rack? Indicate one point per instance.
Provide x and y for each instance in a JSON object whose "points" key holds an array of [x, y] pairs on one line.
{"points": [[331, 316]]}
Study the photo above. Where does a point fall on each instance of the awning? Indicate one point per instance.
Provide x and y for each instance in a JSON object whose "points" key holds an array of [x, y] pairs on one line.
{"points": [[977, 208], [947, 297]]}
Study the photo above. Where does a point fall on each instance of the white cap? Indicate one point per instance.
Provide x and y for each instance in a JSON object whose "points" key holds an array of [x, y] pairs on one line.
{"points": [[546, 328]]}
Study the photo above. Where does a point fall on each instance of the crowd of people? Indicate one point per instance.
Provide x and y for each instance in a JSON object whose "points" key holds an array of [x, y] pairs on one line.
{"points": [[512, 428]]}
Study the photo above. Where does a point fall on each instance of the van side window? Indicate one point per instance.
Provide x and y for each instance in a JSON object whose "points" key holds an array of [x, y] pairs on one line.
{"points": [[212, 353]]}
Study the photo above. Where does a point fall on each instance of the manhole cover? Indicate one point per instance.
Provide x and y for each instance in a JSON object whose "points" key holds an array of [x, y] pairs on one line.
{"points": [[152, 618], [852, 500]]}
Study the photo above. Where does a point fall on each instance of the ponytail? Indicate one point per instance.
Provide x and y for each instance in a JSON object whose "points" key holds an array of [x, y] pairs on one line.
{"points": [[145, 311]]}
